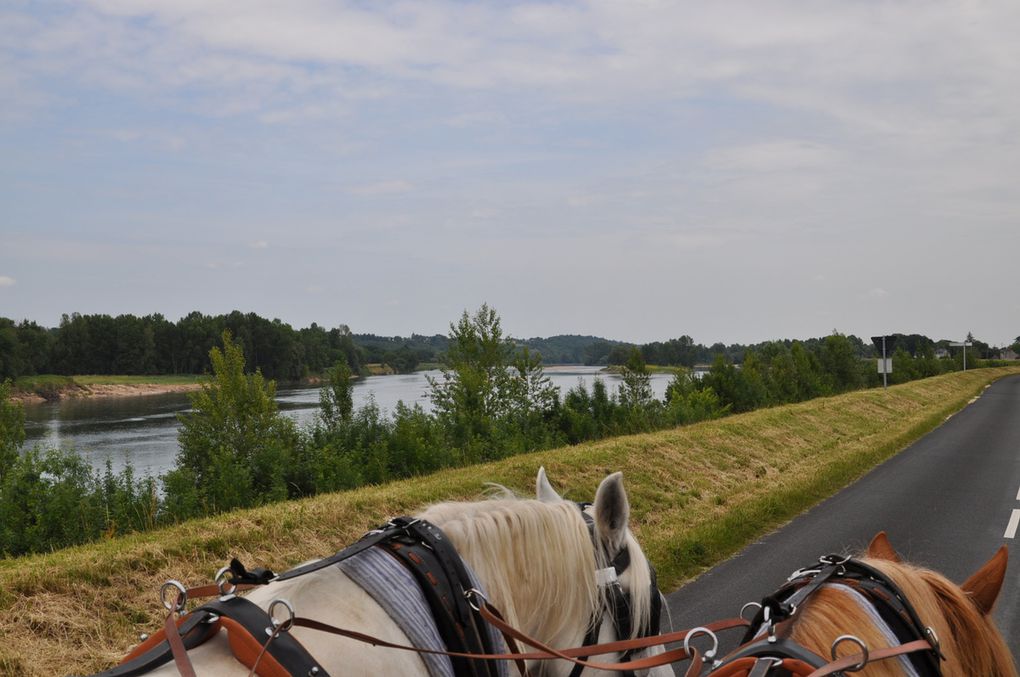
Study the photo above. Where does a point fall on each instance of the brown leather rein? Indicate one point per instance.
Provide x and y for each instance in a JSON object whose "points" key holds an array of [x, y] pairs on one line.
{"points": [[251, 651]]}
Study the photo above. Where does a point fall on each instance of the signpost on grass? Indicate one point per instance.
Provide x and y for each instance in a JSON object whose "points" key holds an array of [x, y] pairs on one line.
{"points": [[962, 344], [885, 344]]}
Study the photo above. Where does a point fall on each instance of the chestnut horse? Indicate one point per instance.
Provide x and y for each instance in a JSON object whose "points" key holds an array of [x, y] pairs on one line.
{"points": [[959, 615]]}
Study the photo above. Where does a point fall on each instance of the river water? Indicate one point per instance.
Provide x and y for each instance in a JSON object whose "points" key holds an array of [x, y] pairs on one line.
{"points": [[142, 430]]}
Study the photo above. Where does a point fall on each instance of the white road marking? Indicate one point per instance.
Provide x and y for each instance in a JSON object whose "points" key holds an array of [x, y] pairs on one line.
{"points": [[1018, 495], [1014, 522]]}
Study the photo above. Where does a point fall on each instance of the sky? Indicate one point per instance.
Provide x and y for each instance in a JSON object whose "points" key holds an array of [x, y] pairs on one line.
{"points": [[640, 170]]}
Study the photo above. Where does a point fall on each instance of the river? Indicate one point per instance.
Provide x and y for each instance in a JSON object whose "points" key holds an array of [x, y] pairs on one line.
{"points": [[142, 430]]}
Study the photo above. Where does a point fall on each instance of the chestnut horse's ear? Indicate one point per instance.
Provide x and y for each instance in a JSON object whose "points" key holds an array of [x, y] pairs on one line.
{"points": [[983, 587], [881, 548]]}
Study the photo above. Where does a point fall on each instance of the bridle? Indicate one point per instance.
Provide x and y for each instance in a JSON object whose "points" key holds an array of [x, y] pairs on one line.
{"points": [[618, 602], [768, 642]]}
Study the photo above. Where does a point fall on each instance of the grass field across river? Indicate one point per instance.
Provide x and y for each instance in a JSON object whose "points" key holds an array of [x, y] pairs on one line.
{"points": [[698, 494]]}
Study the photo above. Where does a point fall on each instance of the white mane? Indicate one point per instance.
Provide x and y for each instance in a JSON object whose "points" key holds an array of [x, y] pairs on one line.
{"points": [[538, 563]]}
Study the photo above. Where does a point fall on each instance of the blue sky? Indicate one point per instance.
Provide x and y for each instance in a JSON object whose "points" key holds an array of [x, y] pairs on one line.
{"points": [[735, 171]]}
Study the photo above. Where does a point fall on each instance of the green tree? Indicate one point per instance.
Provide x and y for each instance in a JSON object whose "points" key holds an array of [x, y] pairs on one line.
{"points": [[12, 429], [235, 446], [636, 389], [472, 393]]}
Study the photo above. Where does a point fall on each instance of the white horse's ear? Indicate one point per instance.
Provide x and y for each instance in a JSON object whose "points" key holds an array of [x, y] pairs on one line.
{"points": [[543, 490], [612, 512]]}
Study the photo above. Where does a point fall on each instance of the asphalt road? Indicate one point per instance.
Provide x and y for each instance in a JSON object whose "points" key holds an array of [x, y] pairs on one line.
{"points": [[946, 502]]}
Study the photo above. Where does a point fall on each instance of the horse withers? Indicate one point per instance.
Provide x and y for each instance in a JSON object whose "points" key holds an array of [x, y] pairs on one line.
{"points": [[541, 562]]}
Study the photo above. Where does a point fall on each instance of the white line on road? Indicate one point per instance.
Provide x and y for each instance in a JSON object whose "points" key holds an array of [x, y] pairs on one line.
{"points": [[1014, 522], [1018, 494]]}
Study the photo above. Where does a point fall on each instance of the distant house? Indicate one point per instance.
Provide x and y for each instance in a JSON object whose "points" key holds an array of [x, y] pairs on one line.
{"points": [[941, 353], [1008, 354]]}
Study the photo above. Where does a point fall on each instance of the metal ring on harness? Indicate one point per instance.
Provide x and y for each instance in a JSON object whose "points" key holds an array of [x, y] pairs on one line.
{"points": [[701, 630], [222, 582], [471, 595], [856, 640], [746, 607], [280, 626], [178, 605]]}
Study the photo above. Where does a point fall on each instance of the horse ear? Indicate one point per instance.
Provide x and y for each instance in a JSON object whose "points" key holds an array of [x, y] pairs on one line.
{"points": [[612, 511], [881, 548], [543, 490], [984, 585]]}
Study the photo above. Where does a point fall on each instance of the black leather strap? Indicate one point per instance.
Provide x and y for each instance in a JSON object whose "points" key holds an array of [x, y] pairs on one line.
{"points": [[286, 649]]}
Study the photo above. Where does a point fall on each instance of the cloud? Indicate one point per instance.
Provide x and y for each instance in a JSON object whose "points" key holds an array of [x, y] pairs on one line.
{"points": [[382, 188], [258, 244], [771, 156], [878, 293], [6, 281]]}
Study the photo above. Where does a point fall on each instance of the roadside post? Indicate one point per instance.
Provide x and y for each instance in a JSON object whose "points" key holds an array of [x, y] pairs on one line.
{"points": [[962, 344], [885, 344]]}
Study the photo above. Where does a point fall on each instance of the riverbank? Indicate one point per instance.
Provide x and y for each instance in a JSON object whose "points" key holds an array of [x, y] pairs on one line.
{"points": [[50, 387], [697, 493]]}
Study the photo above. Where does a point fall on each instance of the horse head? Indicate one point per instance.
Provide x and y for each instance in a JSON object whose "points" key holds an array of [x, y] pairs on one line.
{"points": [[629, 597], [955, 618]]}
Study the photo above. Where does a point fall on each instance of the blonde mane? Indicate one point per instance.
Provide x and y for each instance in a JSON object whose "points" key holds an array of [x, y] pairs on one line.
{"points": [[537, 563], [970, 641]]}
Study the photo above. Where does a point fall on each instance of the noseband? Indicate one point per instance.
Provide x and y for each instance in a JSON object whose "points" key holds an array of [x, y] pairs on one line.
{"points": [[618, 601]]}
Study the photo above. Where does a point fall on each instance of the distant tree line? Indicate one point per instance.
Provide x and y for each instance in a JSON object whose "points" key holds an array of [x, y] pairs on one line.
{"points": [[154, 345], [128, 344], [491, 399]]}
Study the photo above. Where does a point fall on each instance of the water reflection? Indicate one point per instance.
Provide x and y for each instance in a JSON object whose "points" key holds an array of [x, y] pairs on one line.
{"points": [[143, 430]]}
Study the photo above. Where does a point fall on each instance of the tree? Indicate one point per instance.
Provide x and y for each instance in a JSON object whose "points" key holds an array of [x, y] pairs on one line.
{"points": [[12, 429], [636, 389], [470, 395], [235, 446]]}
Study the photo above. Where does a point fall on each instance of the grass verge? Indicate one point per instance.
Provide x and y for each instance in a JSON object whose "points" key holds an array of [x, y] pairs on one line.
{"points": [[171, 379], [698, 494]]}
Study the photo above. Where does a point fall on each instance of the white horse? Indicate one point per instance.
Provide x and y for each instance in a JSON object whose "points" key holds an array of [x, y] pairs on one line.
{"points": [[534, 558]]}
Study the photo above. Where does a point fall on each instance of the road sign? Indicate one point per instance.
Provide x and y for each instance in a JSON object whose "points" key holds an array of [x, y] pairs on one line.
{"points": [[964, 345], [890, 343], [884, 344]]}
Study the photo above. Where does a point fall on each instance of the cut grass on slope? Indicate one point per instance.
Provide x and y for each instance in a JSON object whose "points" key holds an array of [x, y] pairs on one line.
{"points": [[698, 494]]}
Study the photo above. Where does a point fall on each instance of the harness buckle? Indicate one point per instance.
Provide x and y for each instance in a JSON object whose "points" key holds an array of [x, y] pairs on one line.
{"points": [[606, 577]]}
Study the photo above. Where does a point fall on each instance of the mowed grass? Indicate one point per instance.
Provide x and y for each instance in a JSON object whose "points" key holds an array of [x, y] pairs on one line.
{"points": [[698, 494]]}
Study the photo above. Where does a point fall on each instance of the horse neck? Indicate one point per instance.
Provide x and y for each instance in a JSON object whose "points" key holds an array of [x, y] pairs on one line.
{"points": [[970, 641], [535, 561]]}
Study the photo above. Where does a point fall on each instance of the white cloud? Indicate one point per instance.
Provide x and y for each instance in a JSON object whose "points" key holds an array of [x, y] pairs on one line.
{"points": [[259, 244], [772, 156], [395, 187], [6, 281]]}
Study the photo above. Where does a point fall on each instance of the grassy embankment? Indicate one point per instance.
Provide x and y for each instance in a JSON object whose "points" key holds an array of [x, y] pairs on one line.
{"points": [[698, 494]]}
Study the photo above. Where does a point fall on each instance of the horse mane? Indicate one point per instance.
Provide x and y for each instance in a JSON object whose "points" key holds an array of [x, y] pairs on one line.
{"points": [[537, 562], [970, 641]]}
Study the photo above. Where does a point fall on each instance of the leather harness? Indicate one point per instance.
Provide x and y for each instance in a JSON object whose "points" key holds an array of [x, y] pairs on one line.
{"points": [[420, 546], [767, 638]]}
